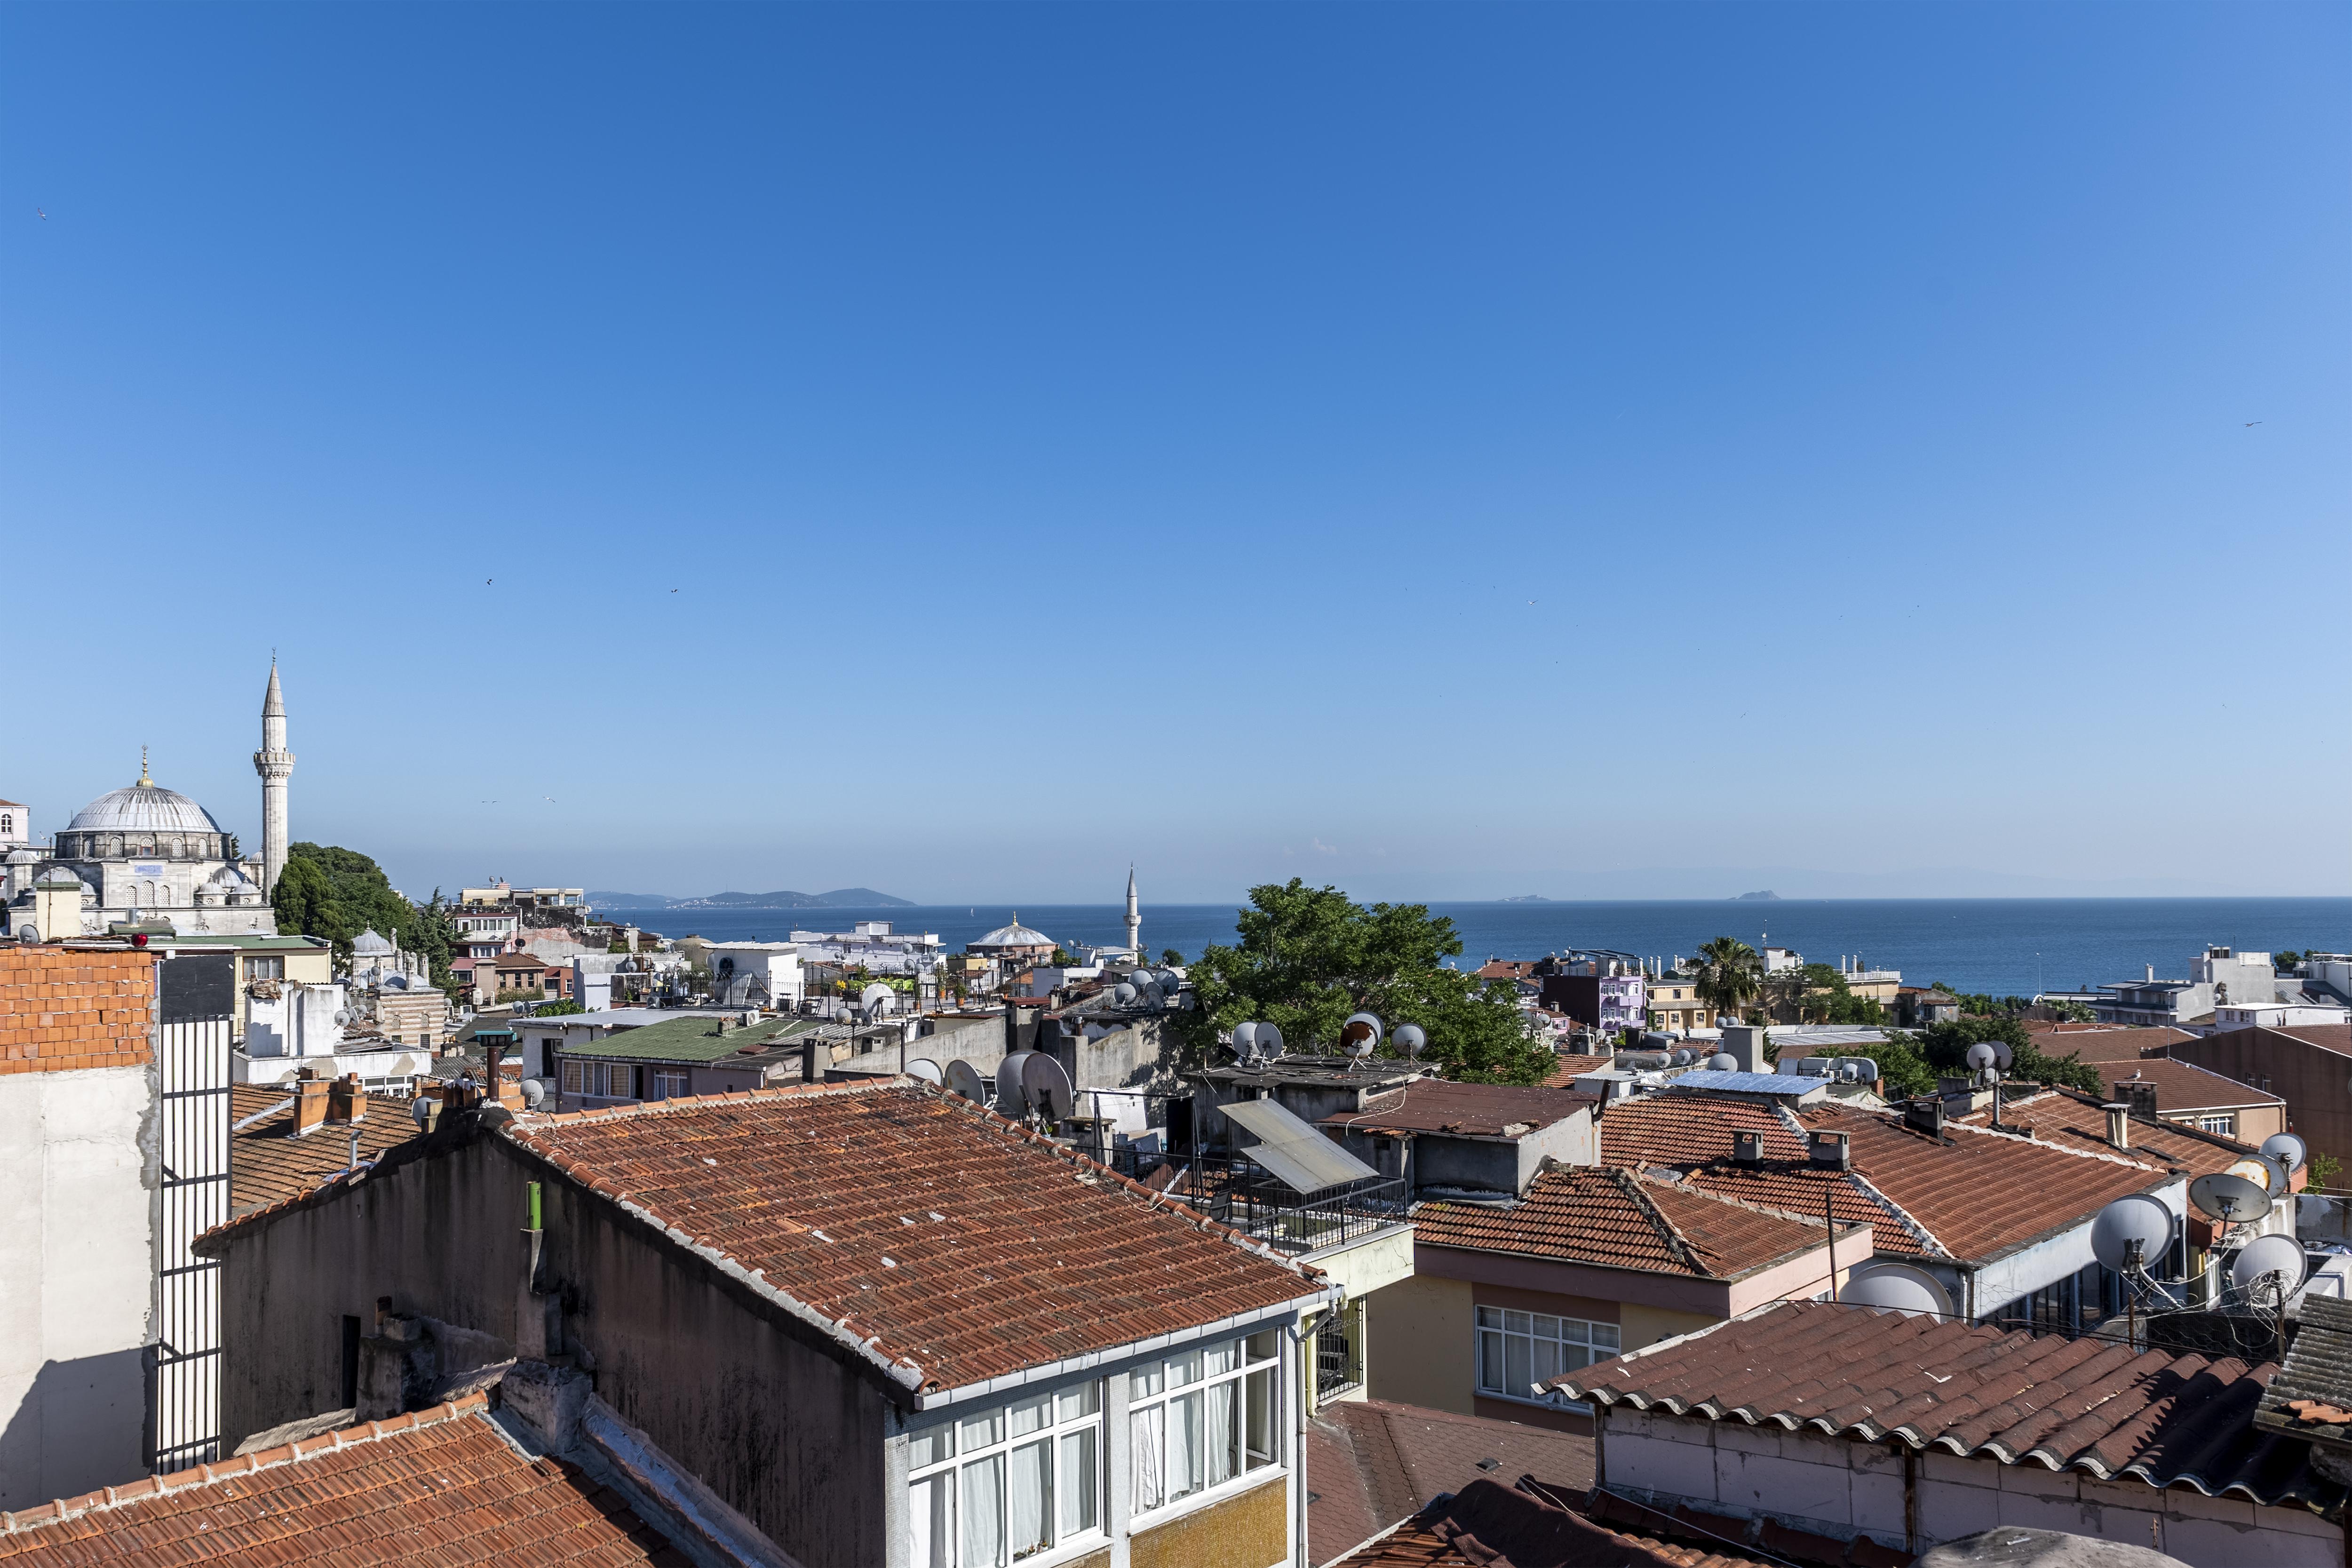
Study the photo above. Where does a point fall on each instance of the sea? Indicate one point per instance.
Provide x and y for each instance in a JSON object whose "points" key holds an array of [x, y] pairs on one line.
{"points": [[2001, 946]]}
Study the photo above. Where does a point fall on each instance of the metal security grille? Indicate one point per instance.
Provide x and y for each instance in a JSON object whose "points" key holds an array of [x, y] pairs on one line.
{"points": [[184, 1381], [1334, 1364]]}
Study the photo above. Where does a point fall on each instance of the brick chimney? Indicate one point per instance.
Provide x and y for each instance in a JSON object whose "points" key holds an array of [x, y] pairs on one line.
{"points": [[2139, 1094], [310, 1103], [346, 1100]]}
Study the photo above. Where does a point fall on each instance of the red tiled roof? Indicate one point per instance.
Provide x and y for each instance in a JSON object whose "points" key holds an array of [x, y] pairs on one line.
{"points": [[1472, 1109], [61, 1009], [951, 1245], [1609, 1216], [2183, 1087], [267, 1162], [2066, 1404], [2073, 1121], [438, 1488], [1375, 1463], [1567, 1068], [2102, 1042], [1490, 1523]]}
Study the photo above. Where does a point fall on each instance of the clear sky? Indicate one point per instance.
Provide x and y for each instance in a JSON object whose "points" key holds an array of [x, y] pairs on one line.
{"points": [[1450, 451]]}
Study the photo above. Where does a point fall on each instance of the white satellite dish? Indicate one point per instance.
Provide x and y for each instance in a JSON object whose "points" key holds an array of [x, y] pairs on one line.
{"points": [[1269, 1042], [1046, 1088], [342, 1016], [926, 1069], [2288, 1147], [1138, 978], [964, 1079], [1982, 1056], [2134, 1217], [1124, 994], [420, 1109], [1359, 1035], [28, 934], [877, 999], [2268, 1262], [1245, 1041], [1723, 1061], [2229, 1197], [2263, 1172], [1899, 1287], [534, 1094], [1410, 1039], [1009, 1097]]}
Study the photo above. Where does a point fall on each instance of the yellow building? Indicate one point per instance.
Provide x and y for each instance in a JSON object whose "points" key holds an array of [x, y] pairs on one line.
{"points": [[1674, 1004]]}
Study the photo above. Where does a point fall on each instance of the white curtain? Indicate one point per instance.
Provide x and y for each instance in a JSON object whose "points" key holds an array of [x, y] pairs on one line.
{"points": [[1079, 1488], [1029, 1497], [1184, 1456], [1144, 1451], [984, 1513], [1222, 1462], [931, 1507]]}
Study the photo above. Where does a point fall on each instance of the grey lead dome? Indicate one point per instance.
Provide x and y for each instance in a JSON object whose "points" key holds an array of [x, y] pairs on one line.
{"points": [[143, 808]]}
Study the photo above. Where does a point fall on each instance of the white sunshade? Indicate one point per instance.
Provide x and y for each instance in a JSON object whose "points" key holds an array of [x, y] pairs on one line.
{"points": [[1299, 1156]]}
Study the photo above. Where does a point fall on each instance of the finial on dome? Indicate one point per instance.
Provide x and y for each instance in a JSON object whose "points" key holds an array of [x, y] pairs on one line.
{"points": [[144, 782]]}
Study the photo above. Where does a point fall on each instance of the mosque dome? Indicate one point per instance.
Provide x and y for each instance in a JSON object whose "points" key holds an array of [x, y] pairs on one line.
{"points": [[1013, 935], [21, 858], [228, 878], [367, 944], [143, 808]]}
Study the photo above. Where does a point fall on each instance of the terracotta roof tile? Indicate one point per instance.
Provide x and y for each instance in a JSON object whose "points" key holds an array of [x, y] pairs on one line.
{"points": [[267, 1163], [2102, 1042], [1567, 1068], [1490, 1523], [2072, 1120], [948, 1242], [438, 1488], [2182, 1087], [1373, 1463], [2084, 1405], [1472, 1109]]}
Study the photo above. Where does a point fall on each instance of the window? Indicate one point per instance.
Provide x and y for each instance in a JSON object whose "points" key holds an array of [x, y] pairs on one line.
{"points": [[1198, 1420], [2226, 1124], [265, 969], [669, 1083], [1005, 1484], [602, 1080], [1518, 1349]]}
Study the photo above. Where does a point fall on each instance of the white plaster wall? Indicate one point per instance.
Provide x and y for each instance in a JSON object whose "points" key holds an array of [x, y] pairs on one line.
{"points": [[77, 1279]]}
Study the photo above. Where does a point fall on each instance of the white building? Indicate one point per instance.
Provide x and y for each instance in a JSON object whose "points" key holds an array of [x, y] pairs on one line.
{"points": [[289, 1026], [874, 945], [755, 974]]}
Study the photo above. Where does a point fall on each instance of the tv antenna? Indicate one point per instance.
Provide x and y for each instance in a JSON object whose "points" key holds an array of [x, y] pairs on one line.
{"points": [[1047, 1088]]}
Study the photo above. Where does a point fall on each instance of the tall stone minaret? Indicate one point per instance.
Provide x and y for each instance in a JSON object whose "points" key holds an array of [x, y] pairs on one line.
{"points": [[1134, 921], [273, 763]]}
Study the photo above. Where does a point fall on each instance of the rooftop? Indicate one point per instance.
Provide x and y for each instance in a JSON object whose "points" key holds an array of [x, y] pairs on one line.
{"points": [[1376, 1463], [267, 1162], [440, 1487], [2073, 1121], [1567, 1068], [1616, 1218], [955, 1245], [2085, 1405], [2102, 1042], [1375, 1071], [2184, 1086], [1488, 1522], [1464, 1109], [695, 1037]]}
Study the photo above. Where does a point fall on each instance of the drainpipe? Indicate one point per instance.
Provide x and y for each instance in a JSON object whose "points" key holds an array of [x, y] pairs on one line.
{"points": [[1302, 1557]]}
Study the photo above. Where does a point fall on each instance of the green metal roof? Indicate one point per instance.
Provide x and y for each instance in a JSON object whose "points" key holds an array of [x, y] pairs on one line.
{"points": [[693, 1039]]}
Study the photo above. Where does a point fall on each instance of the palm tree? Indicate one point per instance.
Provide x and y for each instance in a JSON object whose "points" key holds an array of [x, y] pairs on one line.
{"points": [[1727, 975]]}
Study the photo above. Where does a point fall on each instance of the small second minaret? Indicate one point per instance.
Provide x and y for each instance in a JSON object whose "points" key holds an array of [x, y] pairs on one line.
{"points": [[273, 763], [1134, 921]]}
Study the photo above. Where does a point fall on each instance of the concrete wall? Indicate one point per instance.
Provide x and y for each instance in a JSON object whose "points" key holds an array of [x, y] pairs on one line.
{"points": [[774, 1423], [77, 1278], [1844, 1489], [1425, 1329], [2309, 1078]]}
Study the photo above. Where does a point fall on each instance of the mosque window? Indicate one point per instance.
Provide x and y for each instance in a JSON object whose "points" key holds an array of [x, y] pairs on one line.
{"points": [[7, 822]]}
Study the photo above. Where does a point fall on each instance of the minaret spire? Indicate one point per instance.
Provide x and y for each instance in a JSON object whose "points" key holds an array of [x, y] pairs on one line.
{"points": [[273, 763], [1134, 919]]}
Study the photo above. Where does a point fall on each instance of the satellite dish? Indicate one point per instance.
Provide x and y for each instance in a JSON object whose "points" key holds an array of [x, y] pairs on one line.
{"points": [[926, 1069], [964, 1079], [342, 1016], [1359, 1035], [1124, 995], [1138, 978], [2268, 1262], [1723, 1061], [1269, 1042], [533, 1093], [1047, 1088], [1167, 978], [2262, 1171], [2288, 1147], [2135, 1216], [1008, 1082], [419, 1108], [1245, 1041], [2229, 1197], [1982, 1056], [1682, 1058], [877, 999], [2002, 1056], [28, 933], [1410, 1039], [1899, 1287]]}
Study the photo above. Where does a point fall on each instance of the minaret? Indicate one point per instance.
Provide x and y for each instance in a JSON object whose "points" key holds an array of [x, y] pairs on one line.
{"points": [[273, 763], [1134, 921]]}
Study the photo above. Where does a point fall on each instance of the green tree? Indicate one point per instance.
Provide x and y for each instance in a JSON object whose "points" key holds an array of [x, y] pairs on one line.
{"points": [[304, 904], [1946, 1048], [1903, 1072], [1308, 957], [1729, 976], [2285, 959], [1171, 957], [343, 892]]}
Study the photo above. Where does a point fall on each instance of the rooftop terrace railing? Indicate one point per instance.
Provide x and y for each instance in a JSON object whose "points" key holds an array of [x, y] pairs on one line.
{"points": [[1233, 1191]]}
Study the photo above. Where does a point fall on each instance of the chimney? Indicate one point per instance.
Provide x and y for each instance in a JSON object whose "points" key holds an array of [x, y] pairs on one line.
{"points": [[2118, 1124], [1925, 1114], [1747, 1148], [1833, 1151], [310, 1104], [1745, 1042], [346, 1100], [2139, 1094], [810, 1072]]}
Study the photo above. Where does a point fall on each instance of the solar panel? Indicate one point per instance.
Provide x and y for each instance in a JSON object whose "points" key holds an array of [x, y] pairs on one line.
{"points": [[1300, 1157]]}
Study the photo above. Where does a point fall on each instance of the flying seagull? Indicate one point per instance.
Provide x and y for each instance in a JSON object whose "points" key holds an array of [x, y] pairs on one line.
{"points": [[45, 217], [2251, 423]]}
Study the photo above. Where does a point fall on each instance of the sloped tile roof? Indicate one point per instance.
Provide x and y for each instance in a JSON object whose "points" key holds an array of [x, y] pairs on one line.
{"points": [[2103, 1043], [1567, 1068], [2072, 1120], [2182, 1087], [1375, 1463], [949, 1243], [1469, 1109], [2083, 1404], [267, 1162], [438, 1487], [1490, 1523], [2312, 1395], [1612, 1217]]}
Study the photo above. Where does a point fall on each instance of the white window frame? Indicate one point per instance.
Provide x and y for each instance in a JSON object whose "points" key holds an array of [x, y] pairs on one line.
{"points": [[670, 1083], [585, 1079], [1070, 1416], [1566, 1339], [1154, 1391], [2224, 1123]]}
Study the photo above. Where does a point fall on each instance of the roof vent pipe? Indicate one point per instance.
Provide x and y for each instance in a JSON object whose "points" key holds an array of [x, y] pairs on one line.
{"points": [[1833, 1151], [2118, 1125], [1747, 1148]]}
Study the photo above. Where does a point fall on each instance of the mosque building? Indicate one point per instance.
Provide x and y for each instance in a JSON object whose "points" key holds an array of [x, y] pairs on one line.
{"points": [[144, 854]]}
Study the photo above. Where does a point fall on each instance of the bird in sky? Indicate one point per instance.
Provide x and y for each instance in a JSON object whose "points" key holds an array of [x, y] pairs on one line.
{"points": [[549, 798], [489, 803], [673, 590], [2251, 423], [45, 217], [487, 581]]}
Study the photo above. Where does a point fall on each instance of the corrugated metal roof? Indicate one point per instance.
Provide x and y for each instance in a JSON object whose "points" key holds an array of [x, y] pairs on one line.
{"points": [[2082, 1404], [1791, 1085], [1299, 1157]]}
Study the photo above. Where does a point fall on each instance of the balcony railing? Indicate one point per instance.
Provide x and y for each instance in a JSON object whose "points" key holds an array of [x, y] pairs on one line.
{"points": [[1233, 1191]]}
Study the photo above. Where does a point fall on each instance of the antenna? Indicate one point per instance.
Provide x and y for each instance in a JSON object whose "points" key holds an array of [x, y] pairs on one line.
{"points": [[2286, 1146], [1046, 1088], [1269, 1042], [926, 1069], [534, 1093], [2131, 1233], [1124, 994], [1410, 1040], [1009, 1099], [1245, 1042], [877, 999], [964, 1079]]}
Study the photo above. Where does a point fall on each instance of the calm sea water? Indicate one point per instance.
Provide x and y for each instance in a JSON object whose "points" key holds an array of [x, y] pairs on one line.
{"points": [[2005, 946]]}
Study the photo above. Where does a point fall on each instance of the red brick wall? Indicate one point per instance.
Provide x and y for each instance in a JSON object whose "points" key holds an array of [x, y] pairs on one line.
{"points": [[61, 1009]]}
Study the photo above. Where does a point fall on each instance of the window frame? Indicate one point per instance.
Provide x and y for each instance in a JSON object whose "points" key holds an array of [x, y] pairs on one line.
{"points": [[670, 1083], [1277, 1376], [1500, 1327], [961, 1456]]}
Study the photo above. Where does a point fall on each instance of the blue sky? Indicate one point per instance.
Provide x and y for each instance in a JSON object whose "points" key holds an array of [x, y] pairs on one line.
{"points": [[1448, 451]]}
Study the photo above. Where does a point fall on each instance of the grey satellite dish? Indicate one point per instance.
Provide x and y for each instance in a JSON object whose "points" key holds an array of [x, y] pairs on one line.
{"points": [[2265, 1173], [964, 1079], [2228, 1197], [1047, 1088], [2268, 1262], [534, 1093], [2003, 1058], [420, 1109], [342, 1016], [1899, 1287], [1167, 979], [1008, 1082], [1410, 1039], [1124, 995], [926, 1069], [1359, 1035], [1723, 1061], [2137, 1217], [1138, 978], [877, 999], [1681, 1058], [1245, 1041], [1269, 1041], [28, 934], [2288, 1147], [1982, 1056]]}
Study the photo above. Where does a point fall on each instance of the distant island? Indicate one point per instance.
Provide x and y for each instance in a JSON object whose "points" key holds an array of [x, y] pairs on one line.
{"points": [[1524, 899], [1764, 895], [840, 898]]}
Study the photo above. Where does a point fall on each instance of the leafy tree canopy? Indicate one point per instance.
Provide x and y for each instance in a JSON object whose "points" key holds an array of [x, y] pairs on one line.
{"points": [[1308, 957], [1171, 957], [1729, 976], [329, 891], [1902, 1072], [1946, 1048]]}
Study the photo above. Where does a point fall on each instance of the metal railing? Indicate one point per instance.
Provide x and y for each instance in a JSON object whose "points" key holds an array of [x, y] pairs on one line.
{"points": [[1233, 1191]]}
